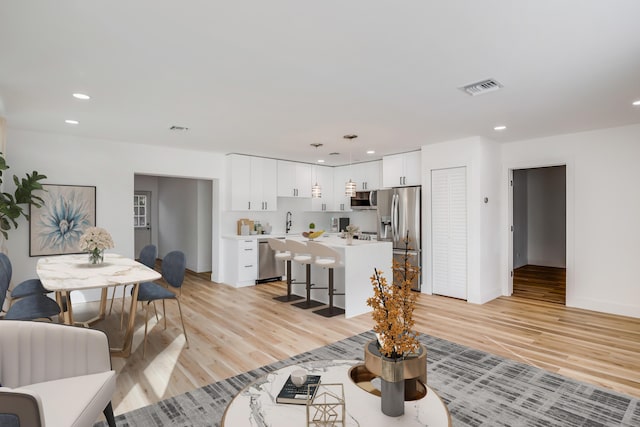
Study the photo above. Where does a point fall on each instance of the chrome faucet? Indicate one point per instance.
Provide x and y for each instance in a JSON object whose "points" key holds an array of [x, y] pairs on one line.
{"points": [[288, 223]]}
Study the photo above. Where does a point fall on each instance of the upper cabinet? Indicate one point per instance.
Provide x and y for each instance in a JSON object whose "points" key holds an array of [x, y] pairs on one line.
{"points": [[323, 176], [400, 170], [252, 183], [341, 175], [294, 179], [367, 175]]}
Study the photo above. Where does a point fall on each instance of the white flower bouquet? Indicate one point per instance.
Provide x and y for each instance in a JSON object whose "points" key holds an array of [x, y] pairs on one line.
{"points": [[352, 230], [94, 241]]}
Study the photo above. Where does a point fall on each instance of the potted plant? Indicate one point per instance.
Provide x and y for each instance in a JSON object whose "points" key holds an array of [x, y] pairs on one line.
{"points": [[12, 205]]}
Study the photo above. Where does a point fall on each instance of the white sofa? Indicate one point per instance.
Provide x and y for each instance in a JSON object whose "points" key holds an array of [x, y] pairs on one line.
{"points": [[59, 375]]}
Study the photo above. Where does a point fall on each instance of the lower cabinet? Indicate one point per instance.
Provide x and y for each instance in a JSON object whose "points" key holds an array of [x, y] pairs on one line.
{"points": [[242, 266]]}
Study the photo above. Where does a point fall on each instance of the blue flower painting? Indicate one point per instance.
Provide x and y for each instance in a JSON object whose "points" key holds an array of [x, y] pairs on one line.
{"points": [[57, 226]]}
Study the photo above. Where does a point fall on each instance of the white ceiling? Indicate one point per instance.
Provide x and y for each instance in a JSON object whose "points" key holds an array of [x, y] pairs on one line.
{"points": [[271, 77]]}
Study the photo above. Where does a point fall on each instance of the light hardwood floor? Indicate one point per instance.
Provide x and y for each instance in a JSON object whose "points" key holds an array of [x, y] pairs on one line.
{"points": [[234, 330]]}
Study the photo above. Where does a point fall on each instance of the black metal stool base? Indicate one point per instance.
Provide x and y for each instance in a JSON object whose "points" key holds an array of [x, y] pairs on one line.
{"points": [[329, 311], [308, 304], [288, 298]]}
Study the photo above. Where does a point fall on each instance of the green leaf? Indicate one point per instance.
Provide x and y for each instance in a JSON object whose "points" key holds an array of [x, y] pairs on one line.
{"points": [[10, 206]]}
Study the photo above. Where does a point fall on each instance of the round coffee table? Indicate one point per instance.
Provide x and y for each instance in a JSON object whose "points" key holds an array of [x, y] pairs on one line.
{"points": [[256, 403]]}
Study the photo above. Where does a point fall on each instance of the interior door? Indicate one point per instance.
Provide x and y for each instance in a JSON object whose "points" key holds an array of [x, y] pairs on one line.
{"points": [[141, 219], [449, 229]]}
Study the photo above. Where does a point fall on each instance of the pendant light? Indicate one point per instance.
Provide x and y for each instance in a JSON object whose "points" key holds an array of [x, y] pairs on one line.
{"points": [[316, 190], [350, 186]]}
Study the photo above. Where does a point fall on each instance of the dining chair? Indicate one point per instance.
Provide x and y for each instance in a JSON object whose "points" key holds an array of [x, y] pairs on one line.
{"points": [[23, 289], [38, 306], [282, 254], [147, 257], [329, 258], [174, 265]]}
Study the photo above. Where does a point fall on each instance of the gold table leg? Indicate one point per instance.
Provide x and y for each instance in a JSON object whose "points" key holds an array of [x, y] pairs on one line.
{"points": [[125, 351], [101, 313]]}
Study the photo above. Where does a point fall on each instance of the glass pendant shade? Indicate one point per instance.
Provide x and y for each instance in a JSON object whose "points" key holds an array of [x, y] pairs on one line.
{"points": [[350, 188], [316, 191]]}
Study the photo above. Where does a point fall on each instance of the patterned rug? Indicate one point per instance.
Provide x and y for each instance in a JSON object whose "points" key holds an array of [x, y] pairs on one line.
{"points": [[479, 388]]}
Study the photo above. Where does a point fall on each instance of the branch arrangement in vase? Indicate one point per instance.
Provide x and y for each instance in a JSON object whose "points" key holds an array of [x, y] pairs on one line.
{"points": [[393, 306]]}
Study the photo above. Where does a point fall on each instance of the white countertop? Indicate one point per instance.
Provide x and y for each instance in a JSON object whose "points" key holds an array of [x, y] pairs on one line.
{"points": [[332, 239]]}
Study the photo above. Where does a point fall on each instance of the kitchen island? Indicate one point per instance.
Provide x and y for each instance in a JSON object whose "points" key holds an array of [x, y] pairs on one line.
{"points": [[353, 279]]}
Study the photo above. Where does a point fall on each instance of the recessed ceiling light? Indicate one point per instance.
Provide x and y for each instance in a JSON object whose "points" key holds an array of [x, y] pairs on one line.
{"points": [[81, 96], [371, 152], [636, 103], [320, 160], [499, 128], [71, 122]]}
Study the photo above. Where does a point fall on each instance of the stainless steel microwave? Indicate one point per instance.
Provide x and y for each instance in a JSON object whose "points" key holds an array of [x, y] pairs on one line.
{"points": [[363, 200]]}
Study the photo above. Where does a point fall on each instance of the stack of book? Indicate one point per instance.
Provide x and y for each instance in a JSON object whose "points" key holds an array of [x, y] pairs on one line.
{"points": [[290, 393]]}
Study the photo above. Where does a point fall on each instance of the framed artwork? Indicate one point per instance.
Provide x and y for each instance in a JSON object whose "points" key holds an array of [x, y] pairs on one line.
{"points": [[56, 227]]}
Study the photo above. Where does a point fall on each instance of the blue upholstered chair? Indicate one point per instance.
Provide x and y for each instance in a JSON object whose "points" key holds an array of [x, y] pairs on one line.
{"points": [[24, 289], [31, 307], [174, 265], [148, 258]]}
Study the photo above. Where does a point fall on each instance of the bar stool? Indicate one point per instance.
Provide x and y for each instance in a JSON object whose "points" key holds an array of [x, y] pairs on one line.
{"points": [[327, 257], [300, 253], [280, 248]]}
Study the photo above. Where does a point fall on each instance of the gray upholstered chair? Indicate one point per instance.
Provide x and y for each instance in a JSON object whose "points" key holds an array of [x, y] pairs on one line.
{"points": [[54, 375], [31, 307], [174, 265], [147, 257], [23, 289]]}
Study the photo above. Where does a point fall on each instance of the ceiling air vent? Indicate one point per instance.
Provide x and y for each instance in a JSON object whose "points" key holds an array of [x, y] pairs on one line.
{"points": [[479, 88]]}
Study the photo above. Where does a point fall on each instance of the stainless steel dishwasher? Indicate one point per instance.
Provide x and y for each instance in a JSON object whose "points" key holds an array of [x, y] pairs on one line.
{"points": [[269, 269]]}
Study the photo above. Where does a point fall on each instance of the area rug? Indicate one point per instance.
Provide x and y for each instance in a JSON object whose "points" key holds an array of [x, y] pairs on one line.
{"points": [[480, 389]]}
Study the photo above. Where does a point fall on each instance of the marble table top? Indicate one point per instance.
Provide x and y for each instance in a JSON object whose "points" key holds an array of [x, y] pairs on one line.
{"points": [[73, 272], [256, 404]]}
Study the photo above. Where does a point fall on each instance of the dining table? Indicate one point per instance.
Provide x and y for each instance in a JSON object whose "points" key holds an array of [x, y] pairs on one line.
{"points": [[64, 274]]}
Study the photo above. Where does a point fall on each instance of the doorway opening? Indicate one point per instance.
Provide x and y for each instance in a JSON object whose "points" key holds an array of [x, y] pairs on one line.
{"points": [[539, 233], [176, 213]]}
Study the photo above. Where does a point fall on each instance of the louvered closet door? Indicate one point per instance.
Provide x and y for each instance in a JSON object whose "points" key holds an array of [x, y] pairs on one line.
{"points": [[449, 229]]}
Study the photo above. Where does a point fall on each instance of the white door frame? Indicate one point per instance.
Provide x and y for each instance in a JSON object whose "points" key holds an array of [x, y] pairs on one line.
{"points": [[507, 283]]}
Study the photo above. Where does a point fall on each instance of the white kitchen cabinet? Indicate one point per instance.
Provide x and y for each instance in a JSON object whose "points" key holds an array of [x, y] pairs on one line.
{"points": [[294, 179], [242, 265], [252, 183], [367, 175], [323, 175], [341, 175], [400, 170]]}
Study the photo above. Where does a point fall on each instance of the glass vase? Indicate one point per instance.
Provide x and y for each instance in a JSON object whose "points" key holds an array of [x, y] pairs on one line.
{"points": [[96, 256]]}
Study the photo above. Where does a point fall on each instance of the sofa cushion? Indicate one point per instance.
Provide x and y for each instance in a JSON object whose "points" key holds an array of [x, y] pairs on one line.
{"points": [[75, 401]]}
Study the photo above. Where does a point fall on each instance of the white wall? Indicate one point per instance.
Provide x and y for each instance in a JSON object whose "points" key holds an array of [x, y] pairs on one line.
{"points": [[482, 161], [603, 211], [177, 218], [546, 217], [111, 167]]}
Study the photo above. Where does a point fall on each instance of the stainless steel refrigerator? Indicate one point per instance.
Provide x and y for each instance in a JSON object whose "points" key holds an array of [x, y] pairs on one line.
{"points": [[399, 217]]}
